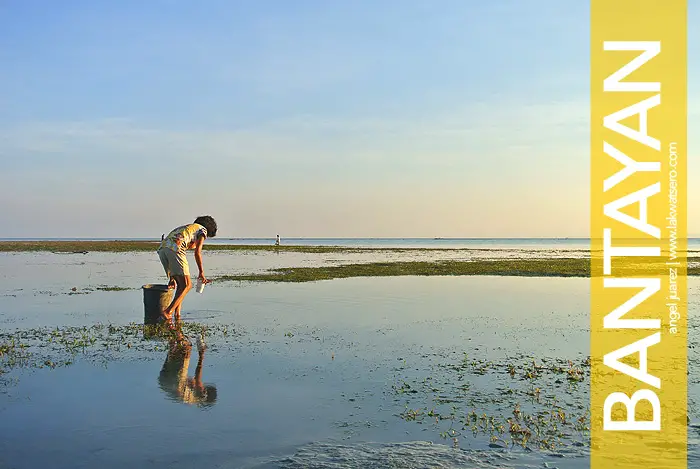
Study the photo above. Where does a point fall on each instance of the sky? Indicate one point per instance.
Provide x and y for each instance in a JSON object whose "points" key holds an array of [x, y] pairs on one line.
{"points": [[307, 118]]}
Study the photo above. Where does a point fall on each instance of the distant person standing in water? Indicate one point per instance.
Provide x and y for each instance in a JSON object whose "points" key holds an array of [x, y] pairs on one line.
{"points": [[277, 242], [172, 253]]}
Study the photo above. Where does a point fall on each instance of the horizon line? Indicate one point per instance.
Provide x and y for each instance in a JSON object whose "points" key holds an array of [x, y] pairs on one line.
{"points": [[59, 238]]}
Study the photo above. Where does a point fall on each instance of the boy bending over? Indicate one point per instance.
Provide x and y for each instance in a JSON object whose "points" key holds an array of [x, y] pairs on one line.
{"points": [[172, 252]]}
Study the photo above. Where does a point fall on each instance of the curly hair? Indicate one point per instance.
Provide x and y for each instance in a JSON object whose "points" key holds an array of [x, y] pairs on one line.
{"points": [[209, 223]]}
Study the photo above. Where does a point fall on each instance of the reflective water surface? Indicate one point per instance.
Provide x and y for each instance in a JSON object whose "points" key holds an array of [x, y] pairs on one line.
{"points": [[364, 372]]}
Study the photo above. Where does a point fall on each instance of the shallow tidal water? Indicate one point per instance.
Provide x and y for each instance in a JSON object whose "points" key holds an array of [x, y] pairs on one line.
{"points": [[351, 373]]}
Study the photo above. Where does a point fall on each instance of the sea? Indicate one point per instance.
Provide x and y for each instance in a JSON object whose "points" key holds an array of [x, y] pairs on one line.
{"points": [[426, 243]]}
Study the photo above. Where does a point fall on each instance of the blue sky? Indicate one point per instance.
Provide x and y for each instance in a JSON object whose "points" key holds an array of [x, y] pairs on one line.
{"points": [[305, 118]]}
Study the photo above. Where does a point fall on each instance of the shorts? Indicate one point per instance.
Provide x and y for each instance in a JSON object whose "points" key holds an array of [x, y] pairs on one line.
{"points": [[174, 263]]}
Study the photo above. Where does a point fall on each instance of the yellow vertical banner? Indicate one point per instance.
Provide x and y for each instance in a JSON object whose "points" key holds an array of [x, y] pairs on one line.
{"points": [[638, 234]]}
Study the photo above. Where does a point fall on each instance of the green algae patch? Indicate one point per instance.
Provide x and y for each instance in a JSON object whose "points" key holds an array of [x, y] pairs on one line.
{"points": [[506, 267], [77, 247], [45, 347], [534, 403], [559, 267]]}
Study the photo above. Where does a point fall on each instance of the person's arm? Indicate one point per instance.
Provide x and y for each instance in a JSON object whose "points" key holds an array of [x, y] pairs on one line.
{"points": [[198, 257]]}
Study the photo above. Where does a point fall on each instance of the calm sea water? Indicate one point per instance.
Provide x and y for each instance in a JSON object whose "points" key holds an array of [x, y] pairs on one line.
{"points": [[316, 375], [473, 243], [312, 377]]}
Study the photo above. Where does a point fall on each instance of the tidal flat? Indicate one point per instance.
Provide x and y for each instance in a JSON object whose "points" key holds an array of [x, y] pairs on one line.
{"points": [[447, 371], [375, 261]]}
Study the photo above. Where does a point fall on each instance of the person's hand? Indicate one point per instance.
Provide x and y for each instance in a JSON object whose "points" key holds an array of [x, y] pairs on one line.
{"points": [[203, 278]]}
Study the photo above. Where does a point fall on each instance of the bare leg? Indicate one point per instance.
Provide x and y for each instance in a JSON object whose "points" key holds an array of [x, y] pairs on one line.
{"points": [[180, 338], [184, 285], [198, 372], [177, 312]]}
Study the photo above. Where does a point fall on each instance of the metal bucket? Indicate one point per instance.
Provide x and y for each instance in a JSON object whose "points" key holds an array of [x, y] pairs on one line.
{"points": [[155, 299]]}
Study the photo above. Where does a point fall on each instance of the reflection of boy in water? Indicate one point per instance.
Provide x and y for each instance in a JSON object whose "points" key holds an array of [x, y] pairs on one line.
{"points": [[173, 378]]}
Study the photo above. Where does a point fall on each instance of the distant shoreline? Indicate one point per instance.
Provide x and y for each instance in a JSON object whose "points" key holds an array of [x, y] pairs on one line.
{"points": [[73, 246], [80, 247], [84, 246], [301, 238], [238, 238], [510, 267]]}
